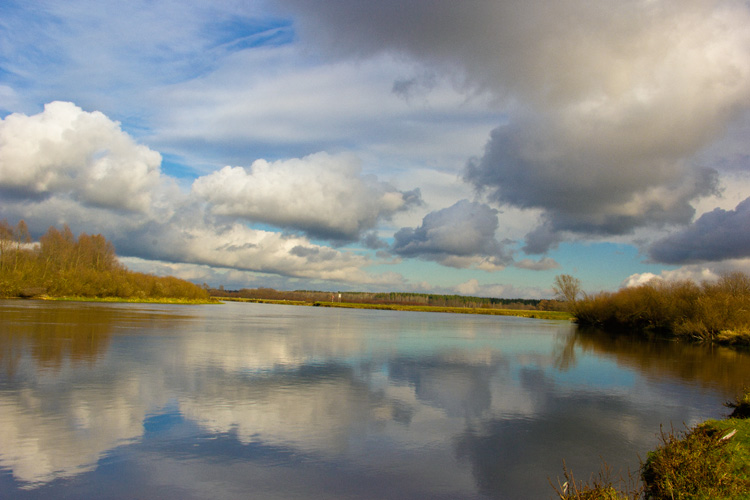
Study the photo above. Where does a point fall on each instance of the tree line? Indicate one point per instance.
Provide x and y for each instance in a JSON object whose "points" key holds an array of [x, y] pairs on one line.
{"points": [[400, 298], [60, 264], [716, 311]]}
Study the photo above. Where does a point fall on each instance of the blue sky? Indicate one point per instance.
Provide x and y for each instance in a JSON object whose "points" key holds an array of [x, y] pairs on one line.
{"points": [[476, 147]]}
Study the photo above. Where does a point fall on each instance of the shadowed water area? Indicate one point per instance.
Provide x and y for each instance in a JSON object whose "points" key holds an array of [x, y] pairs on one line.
{"points": [[280, 402]]}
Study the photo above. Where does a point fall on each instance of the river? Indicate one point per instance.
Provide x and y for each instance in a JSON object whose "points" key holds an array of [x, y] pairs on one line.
{"points": [[239, 400]]}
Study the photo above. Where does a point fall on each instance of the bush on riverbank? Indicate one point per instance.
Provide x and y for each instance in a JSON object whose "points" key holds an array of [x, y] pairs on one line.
{"points": [[87, 266], [713, 311]]}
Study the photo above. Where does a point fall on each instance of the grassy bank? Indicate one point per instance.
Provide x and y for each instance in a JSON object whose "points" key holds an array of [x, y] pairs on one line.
{"points": [[708, 462], [552, 315]]}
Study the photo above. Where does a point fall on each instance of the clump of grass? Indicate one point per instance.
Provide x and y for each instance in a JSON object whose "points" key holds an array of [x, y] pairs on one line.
{"points": [[740, 406], [603, 486], [695, 465]]}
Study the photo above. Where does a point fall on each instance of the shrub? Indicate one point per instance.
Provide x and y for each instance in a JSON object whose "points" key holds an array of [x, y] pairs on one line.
{"points": [[717, 311]]}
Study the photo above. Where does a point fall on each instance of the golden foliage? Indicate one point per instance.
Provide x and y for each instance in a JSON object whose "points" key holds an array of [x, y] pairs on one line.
{"points": [[87, 266]]}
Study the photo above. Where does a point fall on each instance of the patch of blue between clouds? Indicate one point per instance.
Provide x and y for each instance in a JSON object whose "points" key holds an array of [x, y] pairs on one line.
{"points": [[602, 265], [173, 166]]}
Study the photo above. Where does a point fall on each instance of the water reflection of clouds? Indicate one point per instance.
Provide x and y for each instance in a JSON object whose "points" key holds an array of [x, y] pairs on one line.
{"points": [[45, 435], [353, 396]]}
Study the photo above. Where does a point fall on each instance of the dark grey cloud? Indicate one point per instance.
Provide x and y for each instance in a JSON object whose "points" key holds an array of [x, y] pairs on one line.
{"points": [[462, 235], [601, 190], [606, 105], [716, 235], [374, 242]]}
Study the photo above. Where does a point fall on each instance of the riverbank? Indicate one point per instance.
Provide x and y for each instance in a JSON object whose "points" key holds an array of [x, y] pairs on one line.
{"points": [[709, 461], [551, 315], [132, 300]]}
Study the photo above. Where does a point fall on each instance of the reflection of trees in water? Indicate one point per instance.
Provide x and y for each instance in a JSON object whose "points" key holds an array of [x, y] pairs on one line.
{"points": [[708, 365], [52, 335], [57, 332]]}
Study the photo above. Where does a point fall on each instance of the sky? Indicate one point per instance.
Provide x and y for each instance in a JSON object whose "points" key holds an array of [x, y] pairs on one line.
{"points": [[479, 147]]}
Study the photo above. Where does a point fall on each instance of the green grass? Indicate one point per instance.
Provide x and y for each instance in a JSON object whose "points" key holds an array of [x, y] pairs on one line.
{"points": [[700, 464], [551, 315]]}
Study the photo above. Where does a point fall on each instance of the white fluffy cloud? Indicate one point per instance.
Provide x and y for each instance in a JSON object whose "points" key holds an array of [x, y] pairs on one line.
{"points": [[323, 195], [65, 165], [65, 150]]}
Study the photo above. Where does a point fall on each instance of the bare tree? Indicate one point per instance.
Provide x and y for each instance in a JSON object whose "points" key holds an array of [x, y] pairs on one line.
{"points": [[566, 288]]}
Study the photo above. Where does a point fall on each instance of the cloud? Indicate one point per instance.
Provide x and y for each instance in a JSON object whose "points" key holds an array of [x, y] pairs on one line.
{"points": [[461, 236], [714, 236], [475, 289], [605, 104], [292, 108], [85, 53], [598, 191], [194, 238], [544, 264], [323, 195], [68, 166], [697, 273], [67, 151]]}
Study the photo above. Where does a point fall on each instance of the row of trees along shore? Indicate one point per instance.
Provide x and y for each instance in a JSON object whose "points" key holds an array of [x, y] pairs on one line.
{"points": [[716, 311], [400, 298], [61, 265]]}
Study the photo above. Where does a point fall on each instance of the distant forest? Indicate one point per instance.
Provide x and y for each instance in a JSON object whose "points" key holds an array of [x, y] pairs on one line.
{"points": [[403, 298], [61, 265]]}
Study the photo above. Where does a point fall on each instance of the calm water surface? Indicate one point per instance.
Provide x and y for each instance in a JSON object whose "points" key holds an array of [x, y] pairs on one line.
{"points": [[280, 402]]}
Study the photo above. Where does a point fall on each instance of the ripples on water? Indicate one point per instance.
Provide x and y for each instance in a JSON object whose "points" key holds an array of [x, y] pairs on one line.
{"points": [[263, 401]]}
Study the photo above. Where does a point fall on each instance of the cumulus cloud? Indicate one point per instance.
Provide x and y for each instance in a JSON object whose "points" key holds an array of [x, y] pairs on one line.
{"points": [[697, 273], [68, 166], [323, 195], [85, 155], [461, 236], [195, 239], [714, 236], [606, 104]]}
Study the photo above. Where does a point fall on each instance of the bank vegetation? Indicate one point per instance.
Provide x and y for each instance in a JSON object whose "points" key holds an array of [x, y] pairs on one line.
{"points": [[61, 265], [713, 311], [710, 461], [390, 298]]}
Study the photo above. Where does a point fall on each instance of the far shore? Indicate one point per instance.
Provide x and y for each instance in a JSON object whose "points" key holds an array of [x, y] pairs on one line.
{"points": [[130, 300], [550, 315]]}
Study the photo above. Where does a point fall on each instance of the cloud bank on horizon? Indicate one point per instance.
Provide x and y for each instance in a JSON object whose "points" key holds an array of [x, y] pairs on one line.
{"points": [[430, 145]]}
